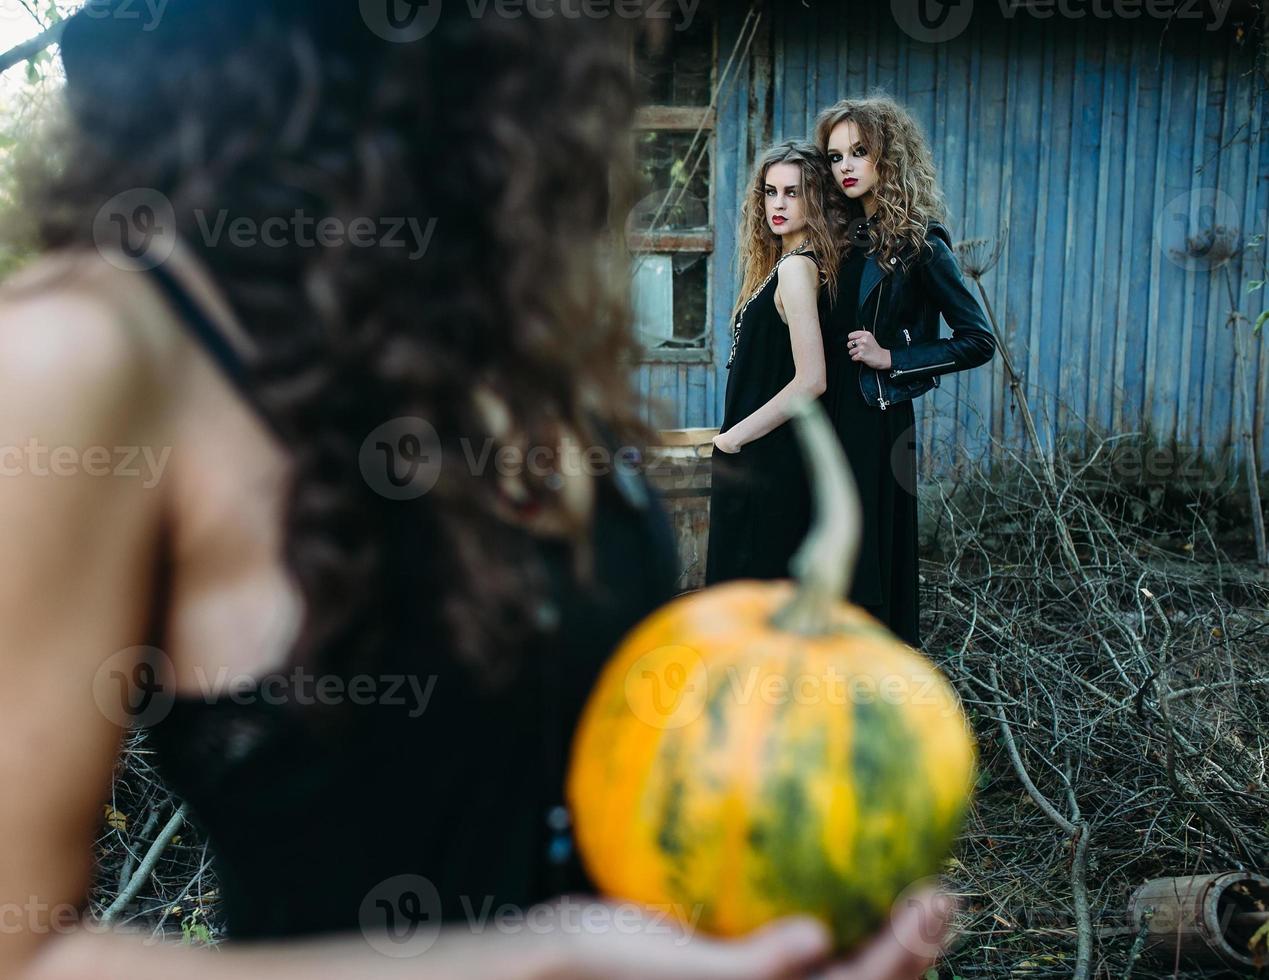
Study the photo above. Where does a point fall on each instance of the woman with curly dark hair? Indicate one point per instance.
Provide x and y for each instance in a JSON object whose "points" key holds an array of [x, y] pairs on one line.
{"points": [[340, 275], [898, 276]]}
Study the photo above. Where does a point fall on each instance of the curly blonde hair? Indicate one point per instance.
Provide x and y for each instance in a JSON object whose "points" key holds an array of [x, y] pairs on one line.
{"points": [[760, 248], [907, 191]]}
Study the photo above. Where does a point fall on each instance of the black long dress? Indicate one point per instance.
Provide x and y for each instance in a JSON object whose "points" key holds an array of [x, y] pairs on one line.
{"points": [[881, 447], [760, 497], [440, 807]]}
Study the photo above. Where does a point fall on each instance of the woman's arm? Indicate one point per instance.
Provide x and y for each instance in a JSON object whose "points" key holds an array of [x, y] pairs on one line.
{"points": [[797, 290], [972, 342], [631, 947], [76, 391]]}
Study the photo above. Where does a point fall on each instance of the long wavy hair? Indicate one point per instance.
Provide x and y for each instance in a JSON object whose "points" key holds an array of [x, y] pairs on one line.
{"points": [[760, 248], [907, 190], [506, 133]]}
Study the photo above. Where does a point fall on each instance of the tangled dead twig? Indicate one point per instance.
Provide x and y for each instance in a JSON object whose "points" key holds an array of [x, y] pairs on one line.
{"points": [[153, 868], [1111, 652]]}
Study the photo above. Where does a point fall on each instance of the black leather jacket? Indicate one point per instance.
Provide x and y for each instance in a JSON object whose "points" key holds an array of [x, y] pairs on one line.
{"points": [[902, 305]]}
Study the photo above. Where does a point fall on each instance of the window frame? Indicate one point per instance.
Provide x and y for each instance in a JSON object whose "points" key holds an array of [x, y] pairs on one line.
{"points": [[685, 119]]}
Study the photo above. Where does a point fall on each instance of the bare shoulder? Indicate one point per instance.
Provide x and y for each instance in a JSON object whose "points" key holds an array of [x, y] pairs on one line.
{"points": [[799, 269], [74, 332], [798, 276]]}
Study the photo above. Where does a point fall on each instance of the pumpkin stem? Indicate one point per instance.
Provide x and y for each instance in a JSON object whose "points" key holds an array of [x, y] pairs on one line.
{"points": [[825, 562]]}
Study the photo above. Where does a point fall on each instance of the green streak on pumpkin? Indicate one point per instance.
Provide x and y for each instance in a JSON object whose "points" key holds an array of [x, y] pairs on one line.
{"points": [[899, 838], [668, 823], [716, 709], [897, 841], [790, 868]]}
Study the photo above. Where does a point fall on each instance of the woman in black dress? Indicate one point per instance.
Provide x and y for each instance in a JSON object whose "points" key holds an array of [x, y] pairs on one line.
{"points": [[898, 275], [760, 493], [359, 635]]}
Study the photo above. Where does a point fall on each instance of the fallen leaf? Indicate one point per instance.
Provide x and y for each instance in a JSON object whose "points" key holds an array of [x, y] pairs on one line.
{"points": [[115, 819]]}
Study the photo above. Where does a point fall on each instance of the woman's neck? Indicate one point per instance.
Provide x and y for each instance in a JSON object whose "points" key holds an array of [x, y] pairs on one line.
{"points": [[791, 242]]}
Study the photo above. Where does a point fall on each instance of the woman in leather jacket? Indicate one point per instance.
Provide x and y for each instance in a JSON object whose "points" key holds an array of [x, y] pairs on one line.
{"points": [[898, 277]]}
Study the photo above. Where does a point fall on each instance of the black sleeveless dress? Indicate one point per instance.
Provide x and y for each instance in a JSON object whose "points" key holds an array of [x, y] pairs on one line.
{"points": [[449, 813], [881, 448], [760, 497]]}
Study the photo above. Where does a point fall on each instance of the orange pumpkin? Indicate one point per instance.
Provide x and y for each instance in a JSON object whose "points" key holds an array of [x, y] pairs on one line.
{"points": [[758, 749]]}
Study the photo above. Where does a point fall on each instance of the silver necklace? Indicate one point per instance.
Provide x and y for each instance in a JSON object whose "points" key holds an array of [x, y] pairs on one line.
{"points": [[740, 314]]}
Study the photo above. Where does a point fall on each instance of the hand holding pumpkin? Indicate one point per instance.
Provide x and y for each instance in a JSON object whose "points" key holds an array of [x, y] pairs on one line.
{"points": [[757, 750], [790, 948]]}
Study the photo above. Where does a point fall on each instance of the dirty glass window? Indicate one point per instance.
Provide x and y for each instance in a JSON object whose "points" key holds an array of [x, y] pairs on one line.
{"points": [[671, 230]]}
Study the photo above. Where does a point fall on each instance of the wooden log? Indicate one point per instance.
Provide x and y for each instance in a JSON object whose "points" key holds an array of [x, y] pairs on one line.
{"points": [[1204, 918]]}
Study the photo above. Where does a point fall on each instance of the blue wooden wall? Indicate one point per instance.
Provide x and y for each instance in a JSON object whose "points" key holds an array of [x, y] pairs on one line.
{"points": [[1100, 143]]}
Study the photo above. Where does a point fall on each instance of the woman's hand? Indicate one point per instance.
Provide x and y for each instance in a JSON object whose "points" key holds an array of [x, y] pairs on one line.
{"points": [[650, 946], [725, 443], [862, 346]]}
